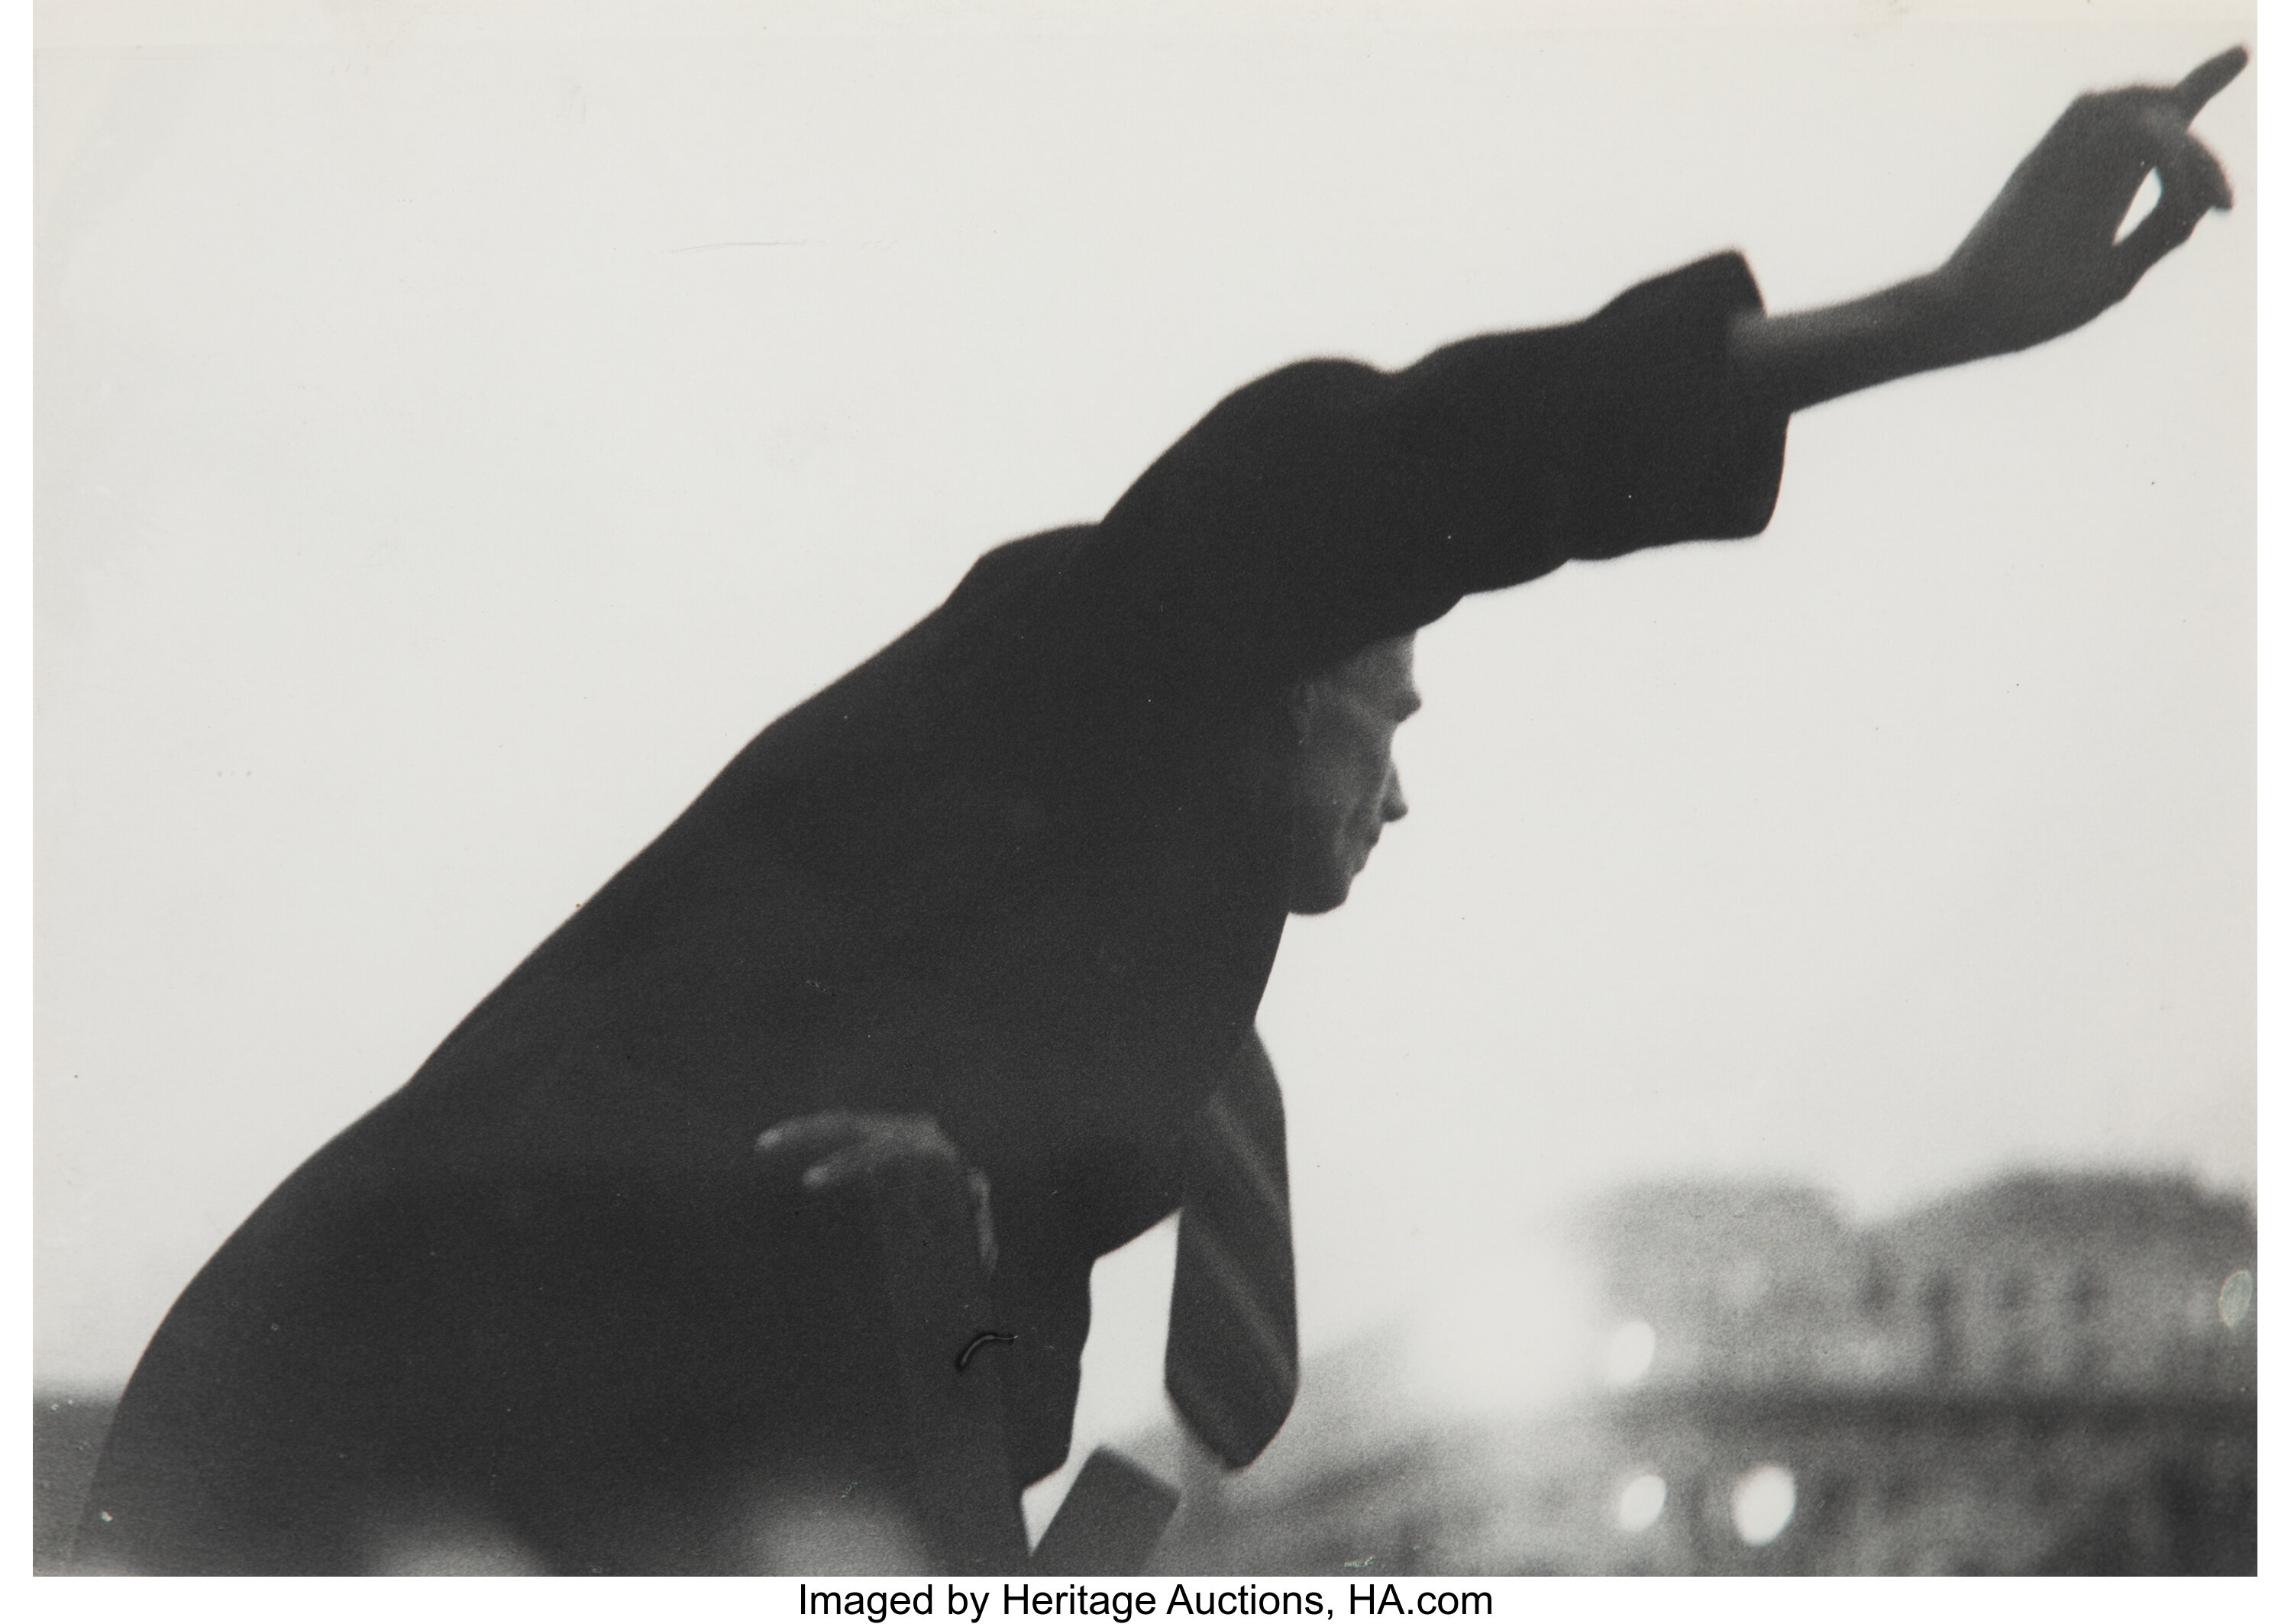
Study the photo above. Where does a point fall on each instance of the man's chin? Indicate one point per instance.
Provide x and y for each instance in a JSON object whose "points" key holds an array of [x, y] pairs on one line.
{"points": [[1326, 897]]}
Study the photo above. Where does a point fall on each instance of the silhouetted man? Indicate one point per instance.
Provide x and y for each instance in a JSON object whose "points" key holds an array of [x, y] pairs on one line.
{"points": [[614, 1282]]}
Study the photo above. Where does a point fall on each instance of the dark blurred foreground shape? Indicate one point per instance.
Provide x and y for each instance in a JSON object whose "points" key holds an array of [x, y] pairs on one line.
{"points": [[2048, 1374], [958, 1511], [920, 1483]]}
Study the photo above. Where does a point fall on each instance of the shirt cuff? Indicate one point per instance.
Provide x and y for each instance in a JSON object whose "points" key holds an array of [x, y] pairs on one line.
{"points": [[1672, 449]]}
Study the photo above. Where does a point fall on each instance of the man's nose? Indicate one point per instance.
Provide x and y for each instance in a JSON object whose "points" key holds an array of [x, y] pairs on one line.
{"points": [[1395, 804]]}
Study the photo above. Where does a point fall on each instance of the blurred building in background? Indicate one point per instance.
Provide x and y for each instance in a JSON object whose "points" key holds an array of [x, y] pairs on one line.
{"points": [[2047, 1374]]}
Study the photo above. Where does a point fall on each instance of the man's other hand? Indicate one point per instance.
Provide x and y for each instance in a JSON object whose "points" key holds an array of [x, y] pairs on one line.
{"points": [[840, 1149], [837, 1149]]}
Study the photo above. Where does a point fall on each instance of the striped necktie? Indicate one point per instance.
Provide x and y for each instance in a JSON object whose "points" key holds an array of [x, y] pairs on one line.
{"points": [[1231, 1366]]}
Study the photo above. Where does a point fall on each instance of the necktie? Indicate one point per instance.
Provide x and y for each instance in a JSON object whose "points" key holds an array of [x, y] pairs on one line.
{"points": [[1230, 1365]]}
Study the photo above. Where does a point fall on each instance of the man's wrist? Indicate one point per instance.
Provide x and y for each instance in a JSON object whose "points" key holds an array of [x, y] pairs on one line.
{"points": [[1938, 321], [1800, 360]]}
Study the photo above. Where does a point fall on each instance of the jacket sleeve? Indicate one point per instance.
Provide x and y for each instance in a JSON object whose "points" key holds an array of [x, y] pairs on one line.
{"points": [[1330, 504]]}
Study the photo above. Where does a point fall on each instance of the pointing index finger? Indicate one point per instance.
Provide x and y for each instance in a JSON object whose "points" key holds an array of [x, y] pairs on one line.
{"points": [[2208, 79]]}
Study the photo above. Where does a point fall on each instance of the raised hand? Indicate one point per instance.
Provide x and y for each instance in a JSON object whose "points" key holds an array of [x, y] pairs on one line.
{"points": [[2046, 258], [2043, 260]]}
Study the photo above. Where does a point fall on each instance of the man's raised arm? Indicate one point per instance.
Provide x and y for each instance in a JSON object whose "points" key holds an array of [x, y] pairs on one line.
{"points": [[2043, 260]]}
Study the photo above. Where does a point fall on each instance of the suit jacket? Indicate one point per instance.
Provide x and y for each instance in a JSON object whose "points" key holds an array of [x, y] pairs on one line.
{"points": [[1015, 871]]}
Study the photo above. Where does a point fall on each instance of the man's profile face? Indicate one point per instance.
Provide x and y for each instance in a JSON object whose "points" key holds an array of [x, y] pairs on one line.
{"points": [[1346, 788]]}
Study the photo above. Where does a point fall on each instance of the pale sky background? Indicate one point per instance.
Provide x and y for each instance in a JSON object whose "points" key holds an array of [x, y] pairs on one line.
{"points": [[460, 429]]}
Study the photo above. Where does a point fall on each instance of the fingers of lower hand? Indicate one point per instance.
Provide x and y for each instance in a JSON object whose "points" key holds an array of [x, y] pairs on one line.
{"points": [[862, 1163], [842, 1146], [806, 1136]]}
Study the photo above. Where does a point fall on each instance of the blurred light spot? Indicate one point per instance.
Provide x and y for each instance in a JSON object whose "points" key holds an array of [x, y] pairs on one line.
{"points": [[447, 1544], [2235, 1298], [824, 1535], [1640, 1503], [1630, 1352], [1764, 1499]]}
